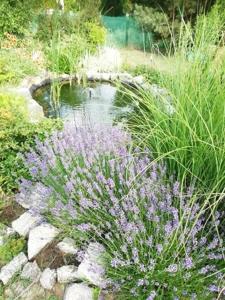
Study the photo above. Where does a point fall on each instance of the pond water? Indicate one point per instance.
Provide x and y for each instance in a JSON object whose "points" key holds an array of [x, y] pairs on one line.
{"points": [[92, 103]]}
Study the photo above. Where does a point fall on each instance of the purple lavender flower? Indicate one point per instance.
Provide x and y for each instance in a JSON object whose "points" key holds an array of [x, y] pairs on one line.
{"points": [[88, 180]]}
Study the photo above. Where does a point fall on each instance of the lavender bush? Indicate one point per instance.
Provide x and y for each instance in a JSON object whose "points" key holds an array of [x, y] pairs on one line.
{"points": [[96, 187]]}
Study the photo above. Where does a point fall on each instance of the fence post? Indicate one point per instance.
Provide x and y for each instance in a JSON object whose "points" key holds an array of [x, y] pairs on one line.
{"points": [[127, 20]]}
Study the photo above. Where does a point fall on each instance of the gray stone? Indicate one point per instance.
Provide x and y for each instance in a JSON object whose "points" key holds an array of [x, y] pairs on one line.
{"points": [[78, 291], [15, 265], [48, 279], [26, 222], [67, 246], [92, 267], [114, 76], [39, 237], [125, 77], [31, 199], [67, 274], [105, 76], [23, 291], [139, 80], [31, 271]]}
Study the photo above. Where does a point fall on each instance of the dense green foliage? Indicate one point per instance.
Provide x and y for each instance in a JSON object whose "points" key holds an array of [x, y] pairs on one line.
{"points": [[16, 136], [15, 16], [162, 18], [11, 248], [14, 66]]}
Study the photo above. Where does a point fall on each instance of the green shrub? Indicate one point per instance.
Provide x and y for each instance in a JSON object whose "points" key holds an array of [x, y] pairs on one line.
{"points": [[15, 16], [14, 66], [11, 248], [96, 34], [48, 25], [16, 136]]}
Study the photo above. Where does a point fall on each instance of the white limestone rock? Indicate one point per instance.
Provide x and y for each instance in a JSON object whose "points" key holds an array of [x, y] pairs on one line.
{"points": [[31, 271], [28, 200], [92, 267], [125, 77], [67, 246], [139, 80], [105, 76], [114, 76], [26, 222], [67, 274], [48, 279], [15, 265], [78, 291], [163, 97], [39, 237]]}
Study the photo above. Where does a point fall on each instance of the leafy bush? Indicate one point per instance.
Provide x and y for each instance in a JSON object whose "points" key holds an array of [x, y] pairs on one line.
{"points": [[192, 139], [16, 136], [14, 66], [158, 243], [154, 21], [11, 248], [15, 16], [96, 34], [48, 25]]}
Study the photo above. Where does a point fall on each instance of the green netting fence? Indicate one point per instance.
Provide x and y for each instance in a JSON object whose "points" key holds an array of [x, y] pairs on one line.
{"points": [[125, 32]]}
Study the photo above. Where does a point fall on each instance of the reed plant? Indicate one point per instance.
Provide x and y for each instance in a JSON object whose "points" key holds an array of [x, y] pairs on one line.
{"points": [[191, 136]]}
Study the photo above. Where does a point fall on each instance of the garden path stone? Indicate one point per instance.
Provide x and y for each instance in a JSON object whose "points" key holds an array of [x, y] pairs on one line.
{"points": [[31, 271], [67, 246], [15, 265], [78, 291], [67, 274], [26, 222], [48, 279], [92, 266], [39, 237]]}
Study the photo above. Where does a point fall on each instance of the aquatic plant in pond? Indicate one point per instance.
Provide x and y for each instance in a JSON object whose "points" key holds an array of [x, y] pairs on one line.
{"points": [[96, 187]]}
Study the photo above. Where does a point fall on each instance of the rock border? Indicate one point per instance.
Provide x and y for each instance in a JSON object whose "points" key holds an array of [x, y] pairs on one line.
{"points": [[31, 84]]}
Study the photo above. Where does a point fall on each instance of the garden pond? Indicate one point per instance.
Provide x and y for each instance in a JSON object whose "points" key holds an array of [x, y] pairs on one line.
{"points": [[92, 103]]}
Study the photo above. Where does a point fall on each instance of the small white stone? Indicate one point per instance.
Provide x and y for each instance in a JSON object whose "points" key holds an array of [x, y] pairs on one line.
{"points": [[39, 237], [126, 77], [31, 271], [92, 267], [67, 274], [139, 80], [48, 279], [105, 76], [26, 222], [67, 246], [78, 291], [12, 267], [113, 76]]}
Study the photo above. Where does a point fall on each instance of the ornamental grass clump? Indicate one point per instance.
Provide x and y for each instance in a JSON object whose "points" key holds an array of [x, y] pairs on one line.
{"points": [[160, 244]]}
